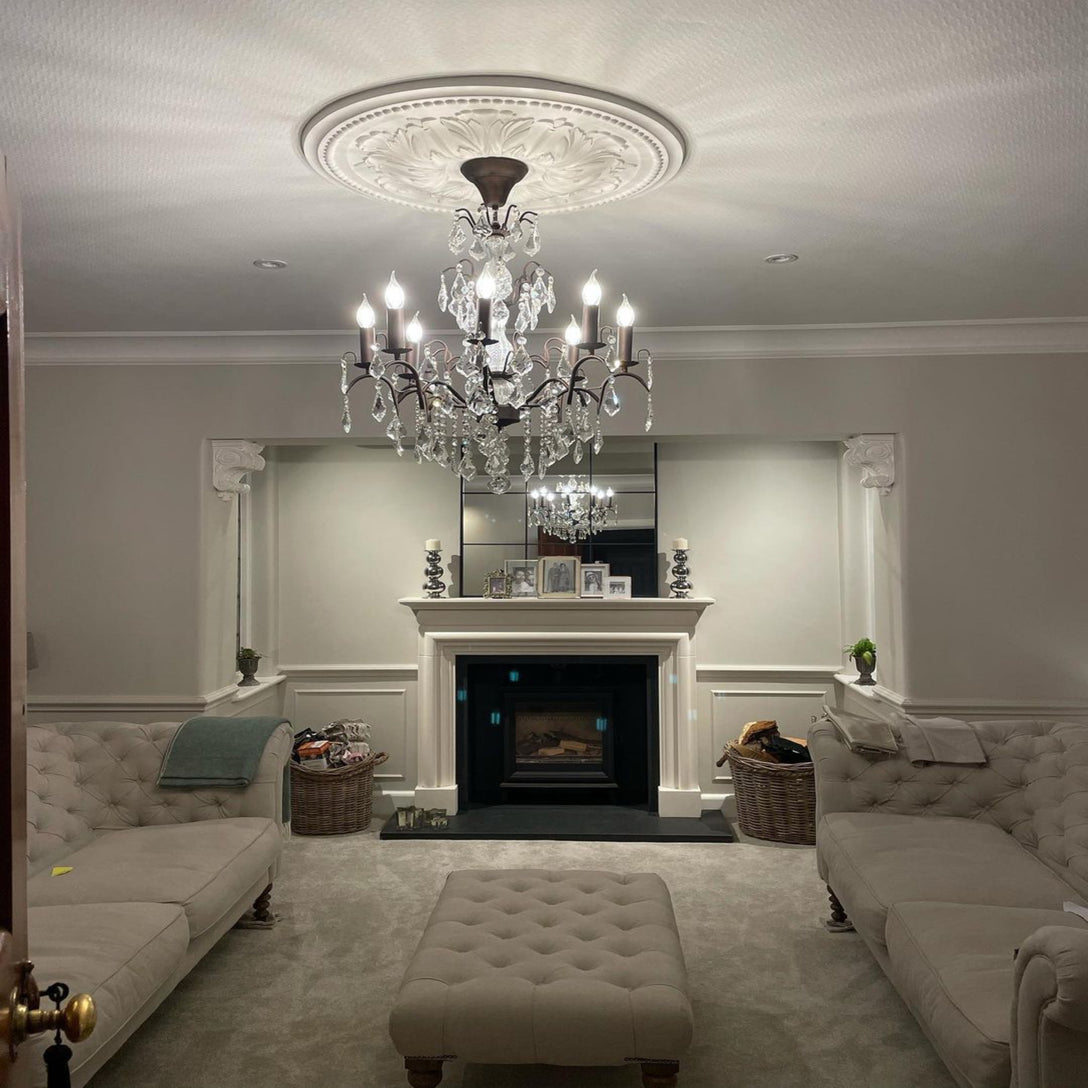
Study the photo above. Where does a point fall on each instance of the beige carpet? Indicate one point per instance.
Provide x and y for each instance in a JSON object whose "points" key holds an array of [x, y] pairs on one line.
{"points": [[779, 1002]]}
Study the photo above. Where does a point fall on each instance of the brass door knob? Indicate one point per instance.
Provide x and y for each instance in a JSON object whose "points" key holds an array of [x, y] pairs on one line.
{"points": [[76, 1020]]}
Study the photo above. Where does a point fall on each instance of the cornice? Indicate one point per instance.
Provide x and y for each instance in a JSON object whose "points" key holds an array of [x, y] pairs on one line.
{"points": [[1029, 336]]}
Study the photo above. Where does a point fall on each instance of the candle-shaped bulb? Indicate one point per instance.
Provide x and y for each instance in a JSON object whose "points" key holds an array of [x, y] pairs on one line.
{"points": [[364, 316], [591, 292], [572, 334], [394, 293], [414, 332], [625, 315], [485, 285], [610, 492]]}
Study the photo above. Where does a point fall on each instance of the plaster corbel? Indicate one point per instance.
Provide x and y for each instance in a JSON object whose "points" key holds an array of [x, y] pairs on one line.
{"points": [[232, 461], [874, 454]]}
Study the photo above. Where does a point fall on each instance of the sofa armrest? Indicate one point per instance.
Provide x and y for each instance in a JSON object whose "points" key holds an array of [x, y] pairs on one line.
{"points": [[1050, 1010]]}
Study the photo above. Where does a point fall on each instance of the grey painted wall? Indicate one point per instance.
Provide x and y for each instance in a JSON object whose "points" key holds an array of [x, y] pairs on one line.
{"points": [[992, 524]]}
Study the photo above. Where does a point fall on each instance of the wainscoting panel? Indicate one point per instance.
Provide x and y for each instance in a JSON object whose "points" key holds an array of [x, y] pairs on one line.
{"points": [[791, 707], [386, 709]]}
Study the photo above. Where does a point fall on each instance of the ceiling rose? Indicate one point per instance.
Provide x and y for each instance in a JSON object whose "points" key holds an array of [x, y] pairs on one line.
{"points": [[405, 142]]}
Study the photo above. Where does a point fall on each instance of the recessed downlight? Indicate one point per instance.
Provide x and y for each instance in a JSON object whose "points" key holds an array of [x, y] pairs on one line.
{"points": [[269, 263], [781, 258]]}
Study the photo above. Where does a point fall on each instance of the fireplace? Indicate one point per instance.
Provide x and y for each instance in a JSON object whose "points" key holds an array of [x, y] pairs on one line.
{"points": [[557, 730]]}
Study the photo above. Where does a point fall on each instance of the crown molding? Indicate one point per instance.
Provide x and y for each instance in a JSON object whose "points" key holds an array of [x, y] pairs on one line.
{"points": [[1028, 336]]}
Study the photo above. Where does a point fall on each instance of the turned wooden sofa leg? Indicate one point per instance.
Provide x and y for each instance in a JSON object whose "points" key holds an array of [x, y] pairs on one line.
{"points": [[659, 1074], [260, 915], [423, 1072], [262, 906], [838, 922]]}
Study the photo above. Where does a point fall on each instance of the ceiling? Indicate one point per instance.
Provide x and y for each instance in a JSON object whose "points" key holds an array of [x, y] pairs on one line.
{"points": [[927, 160]]}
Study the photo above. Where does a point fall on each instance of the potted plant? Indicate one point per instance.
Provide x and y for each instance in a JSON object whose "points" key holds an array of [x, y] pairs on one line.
{"points": [[247, 666], [864, 654]]}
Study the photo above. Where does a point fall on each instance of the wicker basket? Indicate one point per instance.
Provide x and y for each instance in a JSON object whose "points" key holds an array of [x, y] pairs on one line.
{"points": [[333, 802], [775, 801]]}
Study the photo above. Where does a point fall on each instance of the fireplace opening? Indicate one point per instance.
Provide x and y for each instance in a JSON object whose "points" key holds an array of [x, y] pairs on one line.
{"points": [[557, 730]]}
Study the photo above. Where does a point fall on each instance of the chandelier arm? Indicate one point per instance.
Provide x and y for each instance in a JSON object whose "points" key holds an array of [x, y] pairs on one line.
{"points": [[532, 402], [627, 374], [356, 380], [456, 395]]}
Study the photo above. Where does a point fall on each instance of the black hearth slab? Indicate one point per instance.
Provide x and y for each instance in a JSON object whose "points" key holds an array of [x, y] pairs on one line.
{"points": [[571, 823]]}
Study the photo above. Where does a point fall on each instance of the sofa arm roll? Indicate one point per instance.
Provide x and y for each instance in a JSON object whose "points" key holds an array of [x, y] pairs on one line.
{"points": [[1050, 1008]]}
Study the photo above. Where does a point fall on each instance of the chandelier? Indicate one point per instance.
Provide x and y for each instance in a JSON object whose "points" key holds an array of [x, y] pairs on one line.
{"points": [[574, 511], [462, 409]]}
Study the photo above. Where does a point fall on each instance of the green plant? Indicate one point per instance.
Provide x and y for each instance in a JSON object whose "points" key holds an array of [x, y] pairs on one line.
{"points": [[865, 648], [246, 654]]}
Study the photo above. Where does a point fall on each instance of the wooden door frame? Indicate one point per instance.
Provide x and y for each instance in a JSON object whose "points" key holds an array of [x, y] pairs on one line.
{"points": [[13, 943]]}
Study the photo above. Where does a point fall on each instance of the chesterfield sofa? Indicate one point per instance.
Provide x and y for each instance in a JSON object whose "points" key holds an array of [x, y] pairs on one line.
{"points": [[956, 876], [157, 875]]}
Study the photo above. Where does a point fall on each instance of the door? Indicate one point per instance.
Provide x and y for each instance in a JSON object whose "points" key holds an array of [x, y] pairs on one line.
{"points": [[20, 1014], [13, 950]]}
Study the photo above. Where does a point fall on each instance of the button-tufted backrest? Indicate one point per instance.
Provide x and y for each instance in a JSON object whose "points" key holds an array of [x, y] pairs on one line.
{"points": [[1034, 786], [87, 777]]}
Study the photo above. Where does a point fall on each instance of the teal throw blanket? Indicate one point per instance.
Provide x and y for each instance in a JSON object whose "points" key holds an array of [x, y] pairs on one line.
{"points": [[220, 753]]}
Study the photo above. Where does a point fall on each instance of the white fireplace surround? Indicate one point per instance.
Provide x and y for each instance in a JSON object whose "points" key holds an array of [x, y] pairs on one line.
{"points": [[660, 627]]}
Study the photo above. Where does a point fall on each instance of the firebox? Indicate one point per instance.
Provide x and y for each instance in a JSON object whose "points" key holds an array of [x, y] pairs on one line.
{"points": [[557, 730]]}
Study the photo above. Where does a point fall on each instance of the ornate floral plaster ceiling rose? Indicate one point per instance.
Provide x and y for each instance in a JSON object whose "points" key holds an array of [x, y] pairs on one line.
{"points": [[405, 142]]}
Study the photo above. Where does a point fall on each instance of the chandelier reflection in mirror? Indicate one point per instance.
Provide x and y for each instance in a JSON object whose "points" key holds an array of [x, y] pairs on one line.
{"points": [[459, 410], [574, 511]]}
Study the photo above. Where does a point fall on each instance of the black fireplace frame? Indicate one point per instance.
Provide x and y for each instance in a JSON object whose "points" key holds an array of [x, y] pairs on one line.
{"points": [[578, 792]]}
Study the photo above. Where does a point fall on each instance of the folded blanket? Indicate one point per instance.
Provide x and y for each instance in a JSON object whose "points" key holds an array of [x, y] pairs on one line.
{"points": [[222, 753], [940, 740], [867, 735]]}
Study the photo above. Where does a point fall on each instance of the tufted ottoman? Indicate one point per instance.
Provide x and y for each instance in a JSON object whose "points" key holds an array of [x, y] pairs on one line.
{"points": [[524, 966]]}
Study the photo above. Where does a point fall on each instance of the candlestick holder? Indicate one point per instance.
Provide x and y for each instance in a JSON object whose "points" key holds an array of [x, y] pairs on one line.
{"points": [[680, 586], [434, 587]]}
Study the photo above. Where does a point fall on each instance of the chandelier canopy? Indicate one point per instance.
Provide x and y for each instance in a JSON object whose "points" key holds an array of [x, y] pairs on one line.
{"points": [[574, 511], [461, 409]]}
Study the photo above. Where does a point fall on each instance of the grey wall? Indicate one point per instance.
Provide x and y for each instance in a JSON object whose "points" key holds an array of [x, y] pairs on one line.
{"points": [[126, 541]]}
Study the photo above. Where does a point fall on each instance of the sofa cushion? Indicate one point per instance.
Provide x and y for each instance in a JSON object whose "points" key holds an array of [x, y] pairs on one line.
{"points": [[120, 953], [953, 964], [204, 867], [877, 859]]}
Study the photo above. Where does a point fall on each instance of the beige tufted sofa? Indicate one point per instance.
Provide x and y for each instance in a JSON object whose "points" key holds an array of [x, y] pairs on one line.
{"points": [[956, 876], [158, 876]]}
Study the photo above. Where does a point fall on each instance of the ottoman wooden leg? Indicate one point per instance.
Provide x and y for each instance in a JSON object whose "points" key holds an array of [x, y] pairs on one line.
{"points": [[659, 1074], [838, 922], [423, 1072]]}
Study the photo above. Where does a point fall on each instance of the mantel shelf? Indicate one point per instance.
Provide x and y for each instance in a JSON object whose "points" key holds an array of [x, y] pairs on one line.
{"points": [[544, 604]]}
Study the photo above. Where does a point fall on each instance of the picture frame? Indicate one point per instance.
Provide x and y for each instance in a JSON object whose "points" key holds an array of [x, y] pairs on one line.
{"points": [[618, 587], [592, 578], [497, 584], [558, 576], [523, 576]]}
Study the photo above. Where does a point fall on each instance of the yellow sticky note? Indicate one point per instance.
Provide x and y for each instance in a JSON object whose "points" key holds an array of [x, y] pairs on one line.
{"points": [[60, 870]]}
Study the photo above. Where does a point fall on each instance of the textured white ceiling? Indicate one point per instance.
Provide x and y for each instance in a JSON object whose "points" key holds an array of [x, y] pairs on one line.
{"points": [[927, 158]]}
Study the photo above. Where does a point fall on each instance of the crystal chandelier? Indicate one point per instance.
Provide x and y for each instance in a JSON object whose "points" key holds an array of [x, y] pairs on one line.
{"points": [[458, 409], [574, 511]]}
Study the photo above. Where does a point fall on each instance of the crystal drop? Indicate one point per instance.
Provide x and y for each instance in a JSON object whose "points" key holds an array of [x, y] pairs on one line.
{"points": [[598, 439], [345, 419], [468, 470], [378, 411], [443, 295], [477, 251], [532, 240], [579, 452], [343, 376], [649, 371], [551, 294], [392, 431], [649, 413], [499, 485], [610, 402], [377, 368], [457, 237]]}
